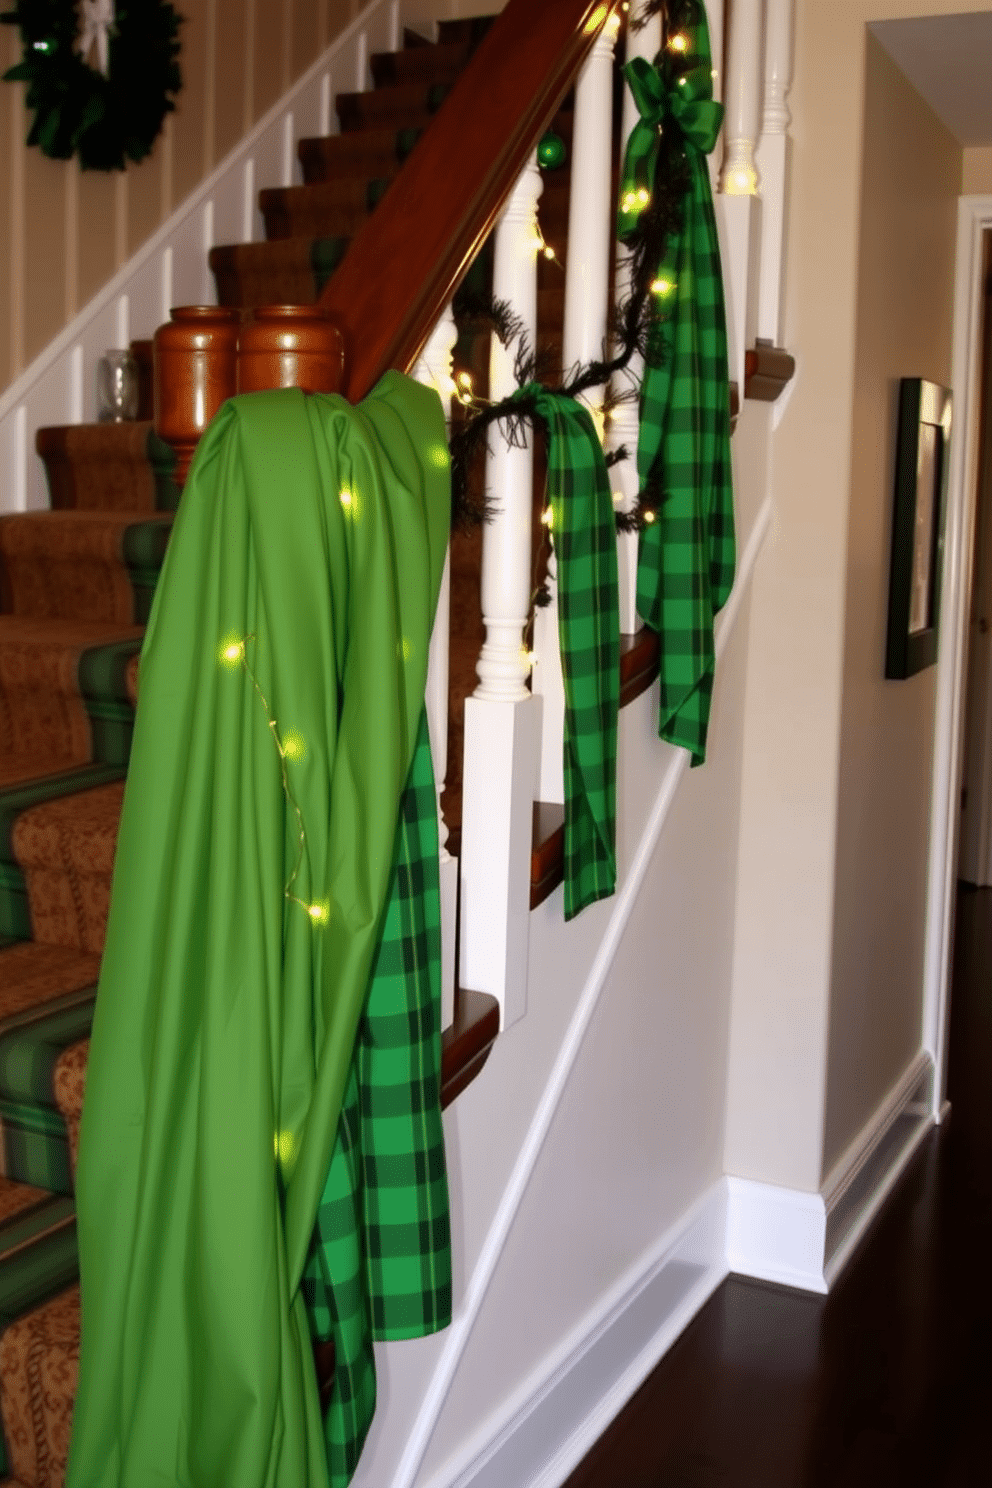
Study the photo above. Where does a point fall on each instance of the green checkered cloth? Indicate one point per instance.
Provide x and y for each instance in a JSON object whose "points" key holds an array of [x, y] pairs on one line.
{"points": [[380, 1261], [584, 533], [687, 555]]}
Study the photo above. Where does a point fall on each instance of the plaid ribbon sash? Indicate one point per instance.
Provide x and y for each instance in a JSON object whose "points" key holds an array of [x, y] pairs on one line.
{"points": [[687, 555], [584, 531], [380, 1259]]}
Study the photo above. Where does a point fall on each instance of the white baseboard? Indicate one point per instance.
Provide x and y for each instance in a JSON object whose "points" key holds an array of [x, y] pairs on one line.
{"points": [[560, 1417], [805, 1239]]}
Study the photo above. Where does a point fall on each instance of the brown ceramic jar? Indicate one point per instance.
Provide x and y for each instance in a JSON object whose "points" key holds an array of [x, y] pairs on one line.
{"points": [[290, 346], [195, 361]]}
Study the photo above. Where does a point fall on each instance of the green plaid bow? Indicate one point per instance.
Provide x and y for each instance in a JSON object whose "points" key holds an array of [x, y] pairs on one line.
{"points": [[687, 555], [380, 1260], [584, 529]]}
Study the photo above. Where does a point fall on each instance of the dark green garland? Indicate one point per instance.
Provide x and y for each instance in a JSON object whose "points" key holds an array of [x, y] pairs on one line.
{"points": [[106, 121]]}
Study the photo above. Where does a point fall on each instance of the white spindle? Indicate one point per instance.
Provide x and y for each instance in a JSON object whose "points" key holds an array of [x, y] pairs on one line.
{"points": [[434, 368], [738, 208], [743, 99], [590, 230], [624, 420], [502, 718], [773, 162]]}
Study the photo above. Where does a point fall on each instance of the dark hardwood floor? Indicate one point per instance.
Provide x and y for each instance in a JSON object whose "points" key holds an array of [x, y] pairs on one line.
{"points": [[886, 1381]]}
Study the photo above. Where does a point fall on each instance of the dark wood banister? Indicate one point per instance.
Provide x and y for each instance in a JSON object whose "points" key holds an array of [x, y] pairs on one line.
{"points": [[407, 260]]}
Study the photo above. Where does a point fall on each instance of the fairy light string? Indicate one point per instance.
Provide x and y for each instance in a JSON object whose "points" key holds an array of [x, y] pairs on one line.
{"points": [[289, 747]]}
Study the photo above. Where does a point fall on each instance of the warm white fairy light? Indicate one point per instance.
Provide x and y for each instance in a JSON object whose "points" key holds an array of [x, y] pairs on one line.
{"points": [[618, 499], [662, 286], [678, 42], [544, 247], [635, 201], [233, 653], [548, 518], [649, 517]]}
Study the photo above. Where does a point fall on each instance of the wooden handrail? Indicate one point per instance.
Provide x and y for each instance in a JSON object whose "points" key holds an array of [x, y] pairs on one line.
{"points": [[407, 260]]}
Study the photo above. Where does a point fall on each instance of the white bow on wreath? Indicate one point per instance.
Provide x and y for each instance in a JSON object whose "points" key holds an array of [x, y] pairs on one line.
{"points": [[98, 17]]}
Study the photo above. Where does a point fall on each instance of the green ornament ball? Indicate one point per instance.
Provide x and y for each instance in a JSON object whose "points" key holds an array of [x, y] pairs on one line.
{"points": [[551, 151]]}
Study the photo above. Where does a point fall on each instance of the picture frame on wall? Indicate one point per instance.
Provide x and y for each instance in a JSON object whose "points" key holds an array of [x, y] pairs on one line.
{"points": [[921, 466]]}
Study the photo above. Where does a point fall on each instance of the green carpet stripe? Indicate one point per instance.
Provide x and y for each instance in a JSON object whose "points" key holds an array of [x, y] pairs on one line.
{"points": [[18, 1229], [35, 1120], [32, 1042], [38, 1271], [103, 684], [325, 255], [162, 458], [39, 1158]]}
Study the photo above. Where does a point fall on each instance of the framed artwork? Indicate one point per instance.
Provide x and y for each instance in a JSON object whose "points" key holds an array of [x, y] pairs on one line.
{"points": [[922, 460]]}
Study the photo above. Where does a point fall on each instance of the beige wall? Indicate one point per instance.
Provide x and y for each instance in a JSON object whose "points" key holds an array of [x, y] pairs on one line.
{"points": [[798, 666], [64, 233], [911, 177], [976, 174]]}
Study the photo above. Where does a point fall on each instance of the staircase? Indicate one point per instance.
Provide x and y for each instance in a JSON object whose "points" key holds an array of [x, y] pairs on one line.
{"points": [[77, 587]]}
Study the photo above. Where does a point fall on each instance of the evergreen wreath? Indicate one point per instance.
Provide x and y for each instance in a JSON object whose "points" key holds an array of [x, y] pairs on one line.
{"points": [[637, 323], [106, 118]]}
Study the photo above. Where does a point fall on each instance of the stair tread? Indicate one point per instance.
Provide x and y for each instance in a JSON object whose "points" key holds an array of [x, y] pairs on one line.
{"points": [[32, 974], [39, 1363], [431, 62], [83, 565], [372, 151], [287, 271]]}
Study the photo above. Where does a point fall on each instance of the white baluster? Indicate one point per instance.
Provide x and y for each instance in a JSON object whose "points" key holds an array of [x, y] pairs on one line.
{"points": [[738, 208], [433, 367], [714, 22], [624, 420], [502, 718], [590, 229], [773, 162], [743, 99]]}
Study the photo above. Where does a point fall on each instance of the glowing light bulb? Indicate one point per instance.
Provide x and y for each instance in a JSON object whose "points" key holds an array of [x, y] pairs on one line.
{"points": [[465, 379], [678, 42], [318, 913], [662, 286], [294, 746], [548, 252], [548, 517], [346, 499], [648, 517], [232, 651], [617, 500]]}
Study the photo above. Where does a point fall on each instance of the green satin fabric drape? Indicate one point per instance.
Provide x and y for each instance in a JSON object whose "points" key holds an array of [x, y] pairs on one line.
{"points": [[313, 534]]}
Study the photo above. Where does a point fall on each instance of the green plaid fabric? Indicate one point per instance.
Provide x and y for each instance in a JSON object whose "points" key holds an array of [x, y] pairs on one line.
{"points": [[687, 555], [380, 1261], [584, 533]]}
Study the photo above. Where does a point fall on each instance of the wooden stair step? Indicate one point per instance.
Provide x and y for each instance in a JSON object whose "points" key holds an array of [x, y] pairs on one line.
{"points": [[289, 271], [65, 849], [59, 687], [39, 1367], [324, 210], [471, 30], [425, 63], [82, 565], [408, 104], [107, 467], [367, 152]]}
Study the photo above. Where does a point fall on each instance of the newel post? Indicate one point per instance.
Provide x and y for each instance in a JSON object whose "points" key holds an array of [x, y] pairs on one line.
{"points": [[433, 367], [503, 718]]}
